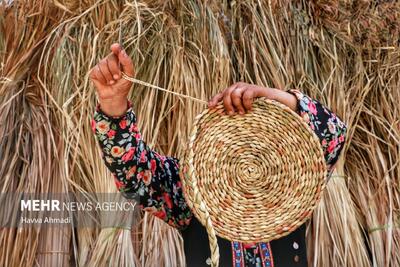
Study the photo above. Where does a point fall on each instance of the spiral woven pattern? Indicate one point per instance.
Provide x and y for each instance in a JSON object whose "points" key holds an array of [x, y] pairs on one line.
{"points": [[255, 177]]}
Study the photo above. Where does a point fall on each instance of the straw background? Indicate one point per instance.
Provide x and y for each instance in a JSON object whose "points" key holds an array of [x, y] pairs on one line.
{"points": [[344, 53]]}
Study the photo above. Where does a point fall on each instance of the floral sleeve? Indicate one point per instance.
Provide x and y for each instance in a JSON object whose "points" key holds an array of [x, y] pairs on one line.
{"points": [[140, 171], [328, 127]]}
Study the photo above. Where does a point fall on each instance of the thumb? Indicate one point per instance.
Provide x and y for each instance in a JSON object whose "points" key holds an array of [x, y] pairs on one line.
{"points": [[124, 59]]}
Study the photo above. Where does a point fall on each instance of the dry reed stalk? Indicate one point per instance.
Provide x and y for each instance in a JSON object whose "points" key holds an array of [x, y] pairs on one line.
{"points": [[278, 45], [161, 37], [373, 157], [367, 78], [198, 48], [68, 86], [184, 56], [31, 146], [334, 231]]}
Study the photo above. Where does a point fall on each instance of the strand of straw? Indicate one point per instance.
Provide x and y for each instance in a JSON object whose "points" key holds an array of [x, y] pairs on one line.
{"points": [[382, 227], [128, 78]]}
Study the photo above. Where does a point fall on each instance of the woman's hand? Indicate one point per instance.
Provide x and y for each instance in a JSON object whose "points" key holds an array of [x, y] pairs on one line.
{"points": [[112, 89], [240, 96]]}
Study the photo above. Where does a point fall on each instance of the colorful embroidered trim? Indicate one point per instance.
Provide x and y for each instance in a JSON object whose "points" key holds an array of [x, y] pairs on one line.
{"points": [[238, 254], [266, 254]]}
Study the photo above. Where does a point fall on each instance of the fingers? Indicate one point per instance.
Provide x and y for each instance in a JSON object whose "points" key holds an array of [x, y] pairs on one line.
{"points": [[116, 48], [107, 76], [103, 66], [124, 59], [232, 98], [96, 75], [126, 62], [214, 101], [113, 66], [228, 100], [108, 70], [248, 97], [236, 97]]}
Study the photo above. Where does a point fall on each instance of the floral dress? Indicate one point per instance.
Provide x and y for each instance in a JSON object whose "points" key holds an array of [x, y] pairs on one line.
{"points": [[140, 171]]}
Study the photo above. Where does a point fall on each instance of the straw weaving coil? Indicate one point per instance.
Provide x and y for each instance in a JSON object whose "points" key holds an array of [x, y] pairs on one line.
{"points": [[255, 177]]}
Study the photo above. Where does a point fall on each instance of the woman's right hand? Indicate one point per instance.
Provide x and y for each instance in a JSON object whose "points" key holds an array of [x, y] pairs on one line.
{"points": [[112, 89]]}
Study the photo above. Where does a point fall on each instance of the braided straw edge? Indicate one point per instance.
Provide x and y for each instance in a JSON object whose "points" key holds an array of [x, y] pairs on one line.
{"points": [[198, 203]]}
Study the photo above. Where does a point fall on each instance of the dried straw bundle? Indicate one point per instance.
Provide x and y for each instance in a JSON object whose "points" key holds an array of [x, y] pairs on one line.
{"points": [[353, 79], [30, 149], [345, 53]]}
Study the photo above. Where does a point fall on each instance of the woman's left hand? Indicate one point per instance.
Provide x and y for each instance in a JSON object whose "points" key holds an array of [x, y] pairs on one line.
{"points": [[240, 96]]}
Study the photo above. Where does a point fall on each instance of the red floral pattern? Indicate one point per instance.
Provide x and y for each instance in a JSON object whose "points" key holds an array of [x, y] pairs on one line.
{"points": [[329, 128], [138, 170]]}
